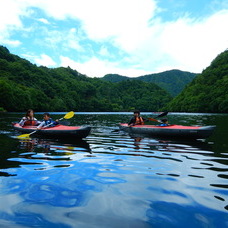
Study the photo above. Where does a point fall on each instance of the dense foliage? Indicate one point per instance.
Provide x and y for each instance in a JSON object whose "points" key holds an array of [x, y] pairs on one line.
{"points": [[173, 81], [208, 91], [24, 85]]}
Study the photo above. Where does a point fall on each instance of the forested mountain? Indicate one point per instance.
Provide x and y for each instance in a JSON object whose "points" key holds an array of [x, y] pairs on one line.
{"points": [[173, 81], [208, 92], [115, 78], [24, 85]]}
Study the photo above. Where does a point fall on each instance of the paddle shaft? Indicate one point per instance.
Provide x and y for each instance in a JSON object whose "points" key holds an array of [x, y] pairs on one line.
{"points": [[161, 115], [43, 127], [151, 119]]}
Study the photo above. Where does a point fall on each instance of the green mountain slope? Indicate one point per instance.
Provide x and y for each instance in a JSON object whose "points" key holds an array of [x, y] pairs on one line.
{"points": [[173, 81], [115, 78], [208, 91], [24, 85]]}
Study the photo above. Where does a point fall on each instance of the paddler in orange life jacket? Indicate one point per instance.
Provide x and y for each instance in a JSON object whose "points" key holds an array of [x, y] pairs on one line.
{"points": [[28, 119], [136, 119]]}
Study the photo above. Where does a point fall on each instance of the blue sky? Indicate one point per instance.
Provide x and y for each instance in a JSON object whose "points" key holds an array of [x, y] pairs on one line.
{"points": [[126, 37]]}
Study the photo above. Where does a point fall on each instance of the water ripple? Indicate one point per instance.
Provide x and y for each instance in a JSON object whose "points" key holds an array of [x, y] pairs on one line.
{"points": [[65, 182]]}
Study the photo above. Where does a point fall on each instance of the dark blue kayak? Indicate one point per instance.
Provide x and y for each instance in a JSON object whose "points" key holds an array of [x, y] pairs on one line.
{"points": [[170, 131]]}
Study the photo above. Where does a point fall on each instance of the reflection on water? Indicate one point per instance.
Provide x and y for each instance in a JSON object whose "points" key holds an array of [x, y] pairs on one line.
{"points": [[112, 179]]}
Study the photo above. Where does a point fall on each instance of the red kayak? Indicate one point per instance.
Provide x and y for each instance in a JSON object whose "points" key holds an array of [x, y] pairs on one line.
{"points": [[170, 131], [57, 131]]}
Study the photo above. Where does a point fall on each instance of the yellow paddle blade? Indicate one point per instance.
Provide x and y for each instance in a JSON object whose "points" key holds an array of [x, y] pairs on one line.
{"points": [[23, 136], [69, 115]]}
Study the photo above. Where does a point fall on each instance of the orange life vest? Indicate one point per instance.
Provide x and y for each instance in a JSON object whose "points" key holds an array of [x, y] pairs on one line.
{"points": [[139, 121], [30, 123]]}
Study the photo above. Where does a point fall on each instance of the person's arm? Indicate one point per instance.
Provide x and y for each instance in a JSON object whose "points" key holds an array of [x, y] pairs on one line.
{"points": [[52, 123], [38, 122], [41, 125], [22, 121], [145, 119], [131, 122]]}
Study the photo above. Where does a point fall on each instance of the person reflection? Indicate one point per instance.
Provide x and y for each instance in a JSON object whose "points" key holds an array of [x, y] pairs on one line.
{"points": [[137, 141], [30, 145]]}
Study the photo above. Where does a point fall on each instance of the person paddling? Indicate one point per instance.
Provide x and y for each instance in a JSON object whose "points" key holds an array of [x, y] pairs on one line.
{"points": [[29, 119], [47, 122], [164, 122], [136, 119]]}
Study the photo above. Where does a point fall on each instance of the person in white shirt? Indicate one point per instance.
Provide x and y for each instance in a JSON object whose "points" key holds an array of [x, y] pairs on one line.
{"points": [[29, 119]]}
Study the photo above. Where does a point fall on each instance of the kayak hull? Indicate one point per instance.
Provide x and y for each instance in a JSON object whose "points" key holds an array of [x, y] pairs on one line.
{"points": [[57, 131], [197, 132]]}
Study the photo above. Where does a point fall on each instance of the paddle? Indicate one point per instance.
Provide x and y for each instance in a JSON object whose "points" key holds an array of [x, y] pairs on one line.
{"points": [[161, 115], [67, 116], [151, 119]]}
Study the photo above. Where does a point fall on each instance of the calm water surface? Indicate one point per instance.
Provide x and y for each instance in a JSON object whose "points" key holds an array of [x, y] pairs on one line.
{"points": [[111, 179]]}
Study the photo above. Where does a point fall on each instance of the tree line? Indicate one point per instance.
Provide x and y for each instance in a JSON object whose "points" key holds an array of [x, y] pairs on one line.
{"points": [[23, 85]]}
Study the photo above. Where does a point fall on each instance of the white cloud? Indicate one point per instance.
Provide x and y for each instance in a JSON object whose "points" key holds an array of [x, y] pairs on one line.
{"points": [[131, 26], [186, 44], [98, 68], [43, 20], [93, 67], [44, 60], [104, 52], [9, 14], [194, 44], [55, 39], [101, 19], [10, 42], [113, 19]]}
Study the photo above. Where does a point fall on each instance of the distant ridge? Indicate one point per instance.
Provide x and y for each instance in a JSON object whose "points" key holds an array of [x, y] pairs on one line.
{"points": [[115, 78], [173, 81]]}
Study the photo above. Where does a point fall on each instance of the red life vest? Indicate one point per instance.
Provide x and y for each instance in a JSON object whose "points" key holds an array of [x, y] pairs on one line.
{"points": [[139, 121], [30, 123]]}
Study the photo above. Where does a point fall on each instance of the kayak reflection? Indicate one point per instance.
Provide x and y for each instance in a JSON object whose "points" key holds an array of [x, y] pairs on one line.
{"points": [[169, 145], [51, 146]]}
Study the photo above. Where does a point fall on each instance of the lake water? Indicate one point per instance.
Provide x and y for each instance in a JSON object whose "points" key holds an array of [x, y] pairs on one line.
{"points": [[111, 179]]}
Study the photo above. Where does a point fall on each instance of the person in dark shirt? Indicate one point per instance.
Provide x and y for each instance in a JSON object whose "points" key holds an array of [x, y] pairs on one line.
{"points": [[164, 122], [136, 119]]}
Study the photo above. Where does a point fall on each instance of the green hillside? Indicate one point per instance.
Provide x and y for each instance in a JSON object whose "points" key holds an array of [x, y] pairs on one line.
{"points": [[24, 85], [208, 91], [115, 78], [173, 81]]}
